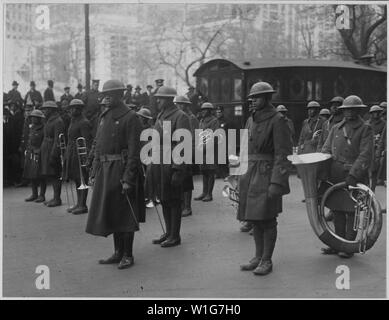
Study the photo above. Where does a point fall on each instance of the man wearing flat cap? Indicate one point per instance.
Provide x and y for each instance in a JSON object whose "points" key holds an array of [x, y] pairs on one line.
{"points": [[80, 94], [48, 95], [33, 96], [67, 97], [14, 95]]}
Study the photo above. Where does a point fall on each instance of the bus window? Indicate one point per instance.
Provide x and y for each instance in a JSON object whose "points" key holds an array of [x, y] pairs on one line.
{"points": [[318, 89], [340, 87], [214, 90], [309, 90], [296, 88], [226, 90], [204, 86], [237, 89]]}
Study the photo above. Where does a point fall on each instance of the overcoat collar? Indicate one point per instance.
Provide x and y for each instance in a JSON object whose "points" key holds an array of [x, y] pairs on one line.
{"points": [[353, 124], [117, 112], [264, 114], [168, 111]]}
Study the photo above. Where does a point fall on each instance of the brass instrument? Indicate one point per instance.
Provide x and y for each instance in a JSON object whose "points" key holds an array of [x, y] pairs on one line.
{"points": [[62, 147], [368, 213], [82, 154]]}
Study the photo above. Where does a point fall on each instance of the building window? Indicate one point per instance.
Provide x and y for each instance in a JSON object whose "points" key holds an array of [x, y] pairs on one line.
{"points": [[296, 88]]}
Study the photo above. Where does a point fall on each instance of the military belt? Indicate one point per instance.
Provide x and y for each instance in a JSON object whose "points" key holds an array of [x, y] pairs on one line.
{"points": [[111, 157], [260, 156]]}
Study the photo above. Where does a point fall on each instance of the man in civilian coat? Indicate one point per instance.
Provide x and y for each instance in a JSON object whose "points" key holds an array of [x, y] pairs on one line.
{"points": [[264, 183], [92, 107], [168, 177], [51, 168], [33, 97], [48, 95], [350, 143], [14, 95], [117, 205], [79, 128]]}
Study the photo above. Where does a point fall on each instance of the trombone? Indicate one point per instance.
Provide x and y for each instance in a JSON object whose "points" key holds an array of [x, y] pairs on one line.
{"points": [[62, 146], [82, 154]]}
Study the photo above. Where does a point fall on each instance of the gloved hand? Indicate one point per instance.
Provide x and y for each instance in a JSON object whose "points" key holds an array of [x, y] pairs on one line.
{"points": [[127, 188], [351, 181], [275, 190], [177, 178]]}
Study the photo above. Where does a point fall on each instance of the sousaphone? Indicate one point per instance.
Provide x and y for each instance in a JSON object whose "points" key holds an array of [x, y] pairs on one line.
{"points": [[368, 213]]}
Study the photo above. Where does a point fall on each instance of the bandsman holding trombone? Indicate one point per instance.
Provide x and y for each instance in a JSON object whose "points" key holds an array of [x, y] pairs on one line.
{"points": [[117, 206], [50, 151], [79, 142]]}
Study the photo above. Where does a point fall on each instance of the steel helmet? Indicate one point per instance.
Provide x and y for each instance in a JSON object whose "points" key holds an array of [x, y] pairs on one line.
{"points": [[207, 105], [352, 102], [37, 113], [49, 104], [76, 102], [313, 104], [337, 99], [281, 108], [145, 113], [324, 112], [260, 88], [113, 85], [166, 92], [181, 99], [375, 108], [383, 104]]}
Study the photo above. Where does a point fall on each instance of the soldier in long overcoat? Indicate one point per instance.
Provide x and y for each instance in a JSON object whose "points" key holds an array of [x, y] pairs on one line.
{"points": [[168, 177], [79, 128], [32, 157], [377, 124], [184, 104], [335, 117], [117, 206], [209, 123], [311, 129], [51, 167], [261, 188], [350, 143]]}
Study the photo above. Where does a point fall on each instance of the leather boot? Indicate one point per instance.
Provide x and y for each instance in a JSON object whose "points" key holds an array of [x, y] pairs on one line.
{"points": [[82, 208], [34, 195], [205, 188], [253, 263], [211, 183], [187, 204], [167, 217], [264, 268], [127, 259], [57, 194], [118, 253], [77, 205], [174, 239]]}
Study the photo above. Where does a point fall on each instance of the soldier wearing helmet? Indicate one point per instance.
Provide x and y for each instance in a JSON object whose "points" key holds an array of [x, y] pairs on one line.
{"points": [[311, 129], [335, 117], [50, 152], [208, 122], [266, 180], [79, 128], [32, 157], [117, 205], [378, 125], [350, 142], [185, 105], [92, 108], [284, 111], [167, 178], [324, 114]]}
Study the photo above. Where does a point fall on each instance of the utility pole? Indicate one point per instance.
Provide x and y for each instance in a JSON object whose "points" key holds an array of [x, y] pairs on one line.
{"points": [[87, 48]]}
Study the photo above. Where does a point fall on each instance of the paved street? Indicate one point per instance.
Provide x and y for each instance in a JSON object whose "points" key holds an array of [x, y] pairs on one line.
{"points": [[205, 265]]}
